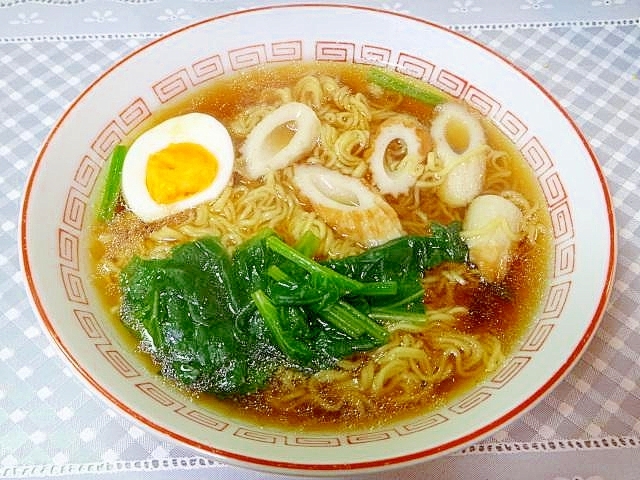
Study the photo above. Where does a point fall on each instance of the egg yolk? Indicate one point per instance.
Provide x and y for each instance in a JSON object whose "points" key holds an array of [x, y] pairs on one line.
{"points": [[179, 171]]}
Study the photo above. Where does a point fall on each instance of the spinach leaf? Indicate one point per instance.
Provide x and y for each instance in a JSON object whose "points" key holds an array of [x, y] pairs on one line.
{"points": [[225, 324], [403, 257], [250, 261], [187, 311], [404, 260]]}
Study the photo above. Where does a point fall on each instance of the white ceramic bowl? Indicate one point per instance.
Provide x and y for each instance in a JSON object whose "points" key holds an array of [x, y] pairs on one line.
{"points": [[56, 214]]}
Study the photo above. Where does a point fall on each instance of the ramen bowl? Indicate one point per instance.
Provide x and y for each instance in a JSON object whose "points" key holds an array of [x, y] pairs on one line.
{"points": [[58, 211]]}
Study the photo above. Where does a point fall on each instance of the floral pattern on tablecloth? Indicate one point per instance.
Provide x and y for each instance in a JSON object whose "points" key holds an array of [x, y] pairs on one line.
{"points": [[42, 18]]}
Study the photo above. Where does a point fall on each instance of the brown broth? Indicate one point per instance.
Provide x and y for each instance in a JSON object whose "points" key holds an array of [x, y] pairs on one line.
{"points": [[505, 310]]}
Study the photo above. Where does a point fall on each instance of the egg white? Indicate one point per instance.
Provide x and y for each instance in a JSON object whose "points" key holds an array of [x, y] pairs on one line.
{"points": [[198, 128]]}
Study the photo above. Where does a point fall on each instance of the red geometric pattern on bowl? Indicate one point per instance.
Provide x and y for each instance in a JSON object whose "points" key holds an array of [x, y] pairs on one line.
{"points": [[422, 423], [536, 156], [73, 285], [202, 418], [552, 188], [260, 54], [74, 209], [368, 437], [482, 102], [69, 248], [106, 140], [512, 126], [118, 361], [173, 85], [112, 134], [562, 222], [471, 401], [190, 76], [162, 397], [372, 55], [535, 339], [555, 299], [345, 52], [87, 174], [134, 114], [179, 82], [415, 67], [313, 441], [342, 52], [564, 259], [91, 326], [206, 69], [512, 367], [261, 436], [449, 82]]}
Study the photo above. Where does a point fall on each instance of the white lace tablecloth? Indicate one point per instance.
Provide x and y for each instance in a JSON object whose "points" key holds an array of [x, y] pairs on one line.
{"points": [[585, 52]]}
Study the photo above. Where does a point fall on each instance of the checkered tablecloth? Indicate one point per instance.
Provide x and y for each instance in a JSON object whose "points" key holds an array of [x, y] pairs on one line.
{"points": [[586, 53]]}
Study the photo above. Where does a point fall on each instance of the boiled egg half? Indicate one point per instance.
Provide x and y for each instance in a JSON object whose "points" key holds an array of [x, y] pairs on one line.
{"points": [[176, 165]]}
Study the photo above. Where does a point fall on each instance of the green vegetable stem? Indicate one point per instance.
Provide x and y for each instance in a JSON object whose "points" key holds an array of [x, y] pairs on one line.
{"points": [[423, 92], [112, 184], [290, 346]]}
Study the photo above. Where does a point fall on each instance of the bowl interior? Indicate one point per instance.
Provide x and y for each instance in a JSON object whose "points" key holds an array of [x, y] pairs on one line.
{"points": [[58, 207]]}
